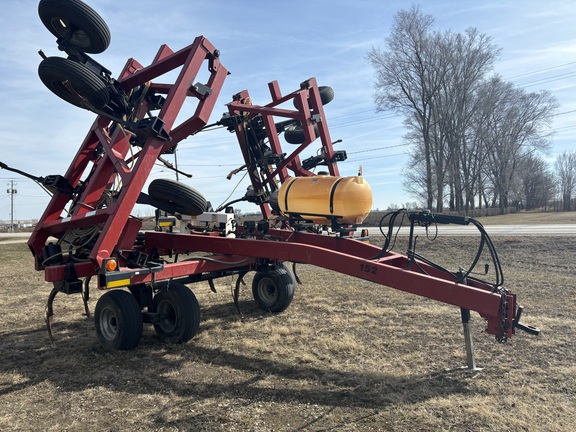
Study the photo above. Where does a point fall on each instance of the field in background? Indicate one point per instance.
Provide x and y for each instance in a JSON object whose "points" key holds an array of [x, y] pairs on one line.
{"points": [[530, 218], [520, 218], [348, 355]]}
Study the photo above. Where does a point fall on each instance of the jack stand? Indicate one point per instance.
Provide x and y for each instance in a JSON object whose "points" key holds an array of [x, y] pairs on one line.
{"points": [[470, 357]]}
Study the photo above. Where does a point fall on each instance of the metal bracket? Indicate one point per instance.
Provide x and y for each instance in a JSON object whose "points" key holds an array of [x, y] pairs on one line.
{"points": [[70, 284], [148, 127], [201, 90]]}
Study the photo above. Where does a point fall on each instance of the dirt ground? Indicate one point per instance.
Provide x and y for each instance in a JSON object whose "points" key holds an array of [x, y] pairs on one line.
{"points": [[348, 355]]}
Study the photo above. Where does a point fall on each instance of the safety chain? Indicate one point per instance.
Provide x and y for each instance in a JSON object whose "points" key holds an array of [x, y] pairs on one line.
{"points": [[502, 335]]}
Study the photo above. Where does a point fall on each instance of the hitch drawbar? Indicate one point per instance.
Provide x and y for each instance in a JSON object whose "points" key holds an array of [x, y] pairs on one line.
{"points": [[528, 329]]}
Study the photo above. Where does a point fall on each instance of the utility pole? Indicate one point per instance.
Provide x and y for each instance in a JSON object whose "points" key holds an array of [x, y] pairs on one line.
{"points": [[12, 191]]}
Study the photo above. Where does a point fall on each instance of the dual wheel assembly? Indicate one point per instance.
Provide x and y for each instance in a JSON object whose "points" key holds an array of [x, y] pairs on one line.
{"points": [[79, 30], [82, 82], [175, 312]]}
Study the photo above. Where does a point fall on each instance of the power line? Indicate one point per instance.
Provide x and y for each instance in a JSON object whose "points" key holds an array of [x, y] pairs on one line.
{"points": [[208, 165], [375, 149], [566, 127], [565, 112], [19, 180], [374, 157], [355, 112], [338, 125], [549, 80], [541, 70]]}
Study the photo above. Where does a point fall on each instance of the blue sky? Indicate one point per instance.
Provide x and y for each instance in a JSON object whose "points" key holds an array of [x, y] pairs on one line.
{"points": [[260, 42]]}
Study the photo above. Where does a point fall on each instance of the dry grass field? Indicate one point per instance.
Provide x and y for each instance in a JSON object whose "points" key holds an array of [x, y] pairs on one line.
{"points": [[347, 355], [530, 218]]}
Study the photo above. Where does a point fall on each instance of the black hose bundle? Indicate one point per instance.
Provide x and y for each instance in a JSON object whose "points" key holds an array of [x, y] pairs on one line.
{"points": [[426, 220]]}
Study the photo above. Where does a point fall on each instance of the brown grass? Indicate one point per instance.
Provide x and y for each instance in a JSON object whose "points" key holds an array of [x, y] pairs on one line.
{"points": [[522, 218], [347, 355]]}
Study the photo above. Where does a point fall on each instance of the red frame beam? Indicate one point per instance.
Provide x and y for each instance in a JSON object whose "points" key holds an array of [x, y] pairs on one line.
{"points": [[346, 256], [113, 162]]}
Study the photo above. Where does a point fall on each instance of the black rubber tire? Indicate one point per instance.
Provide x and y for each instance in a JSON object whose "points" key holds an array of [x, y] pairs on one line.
{"points": [[181, 313], [57, 72], [326, 96], [90, 32], [296, 135], [118, 320], [186, 200], [274, 290]]}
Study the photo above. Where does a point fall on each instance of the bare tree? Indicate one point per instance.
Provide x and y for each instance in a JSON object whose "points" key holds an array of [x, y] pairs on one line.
{"points": [[536, 182], [566, 174], [414, 177], [407, 77], [518, 124], [470, 56], [467, 132], [429, 77]]}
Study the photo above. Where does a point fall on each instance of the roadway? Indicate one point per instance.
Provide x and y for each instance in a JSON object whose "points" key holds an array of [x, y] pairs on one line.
{"points": [[492, 230], [549, 230]]}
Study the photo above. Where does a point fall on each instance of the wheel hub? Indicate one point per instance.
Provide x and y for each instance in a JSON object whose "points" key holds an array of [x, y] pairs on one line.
{"points": [[267, 291], [168, 318], [109, 324]]}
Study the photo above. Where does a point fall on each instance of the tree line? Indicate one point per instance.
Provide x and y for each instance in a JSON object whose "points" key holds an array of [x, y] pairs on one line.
{"points": [[474, 139]]}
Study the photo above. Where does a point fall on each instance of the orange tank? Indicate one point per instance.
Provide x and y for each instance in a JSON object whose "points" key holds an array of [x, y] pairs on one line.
{"points": [[324, 198]]}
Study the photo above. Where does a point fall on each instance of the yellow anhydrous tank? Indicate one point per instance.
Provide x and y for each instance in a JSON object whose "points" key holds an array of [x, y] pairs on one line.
{"points": [[323, 198]]}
